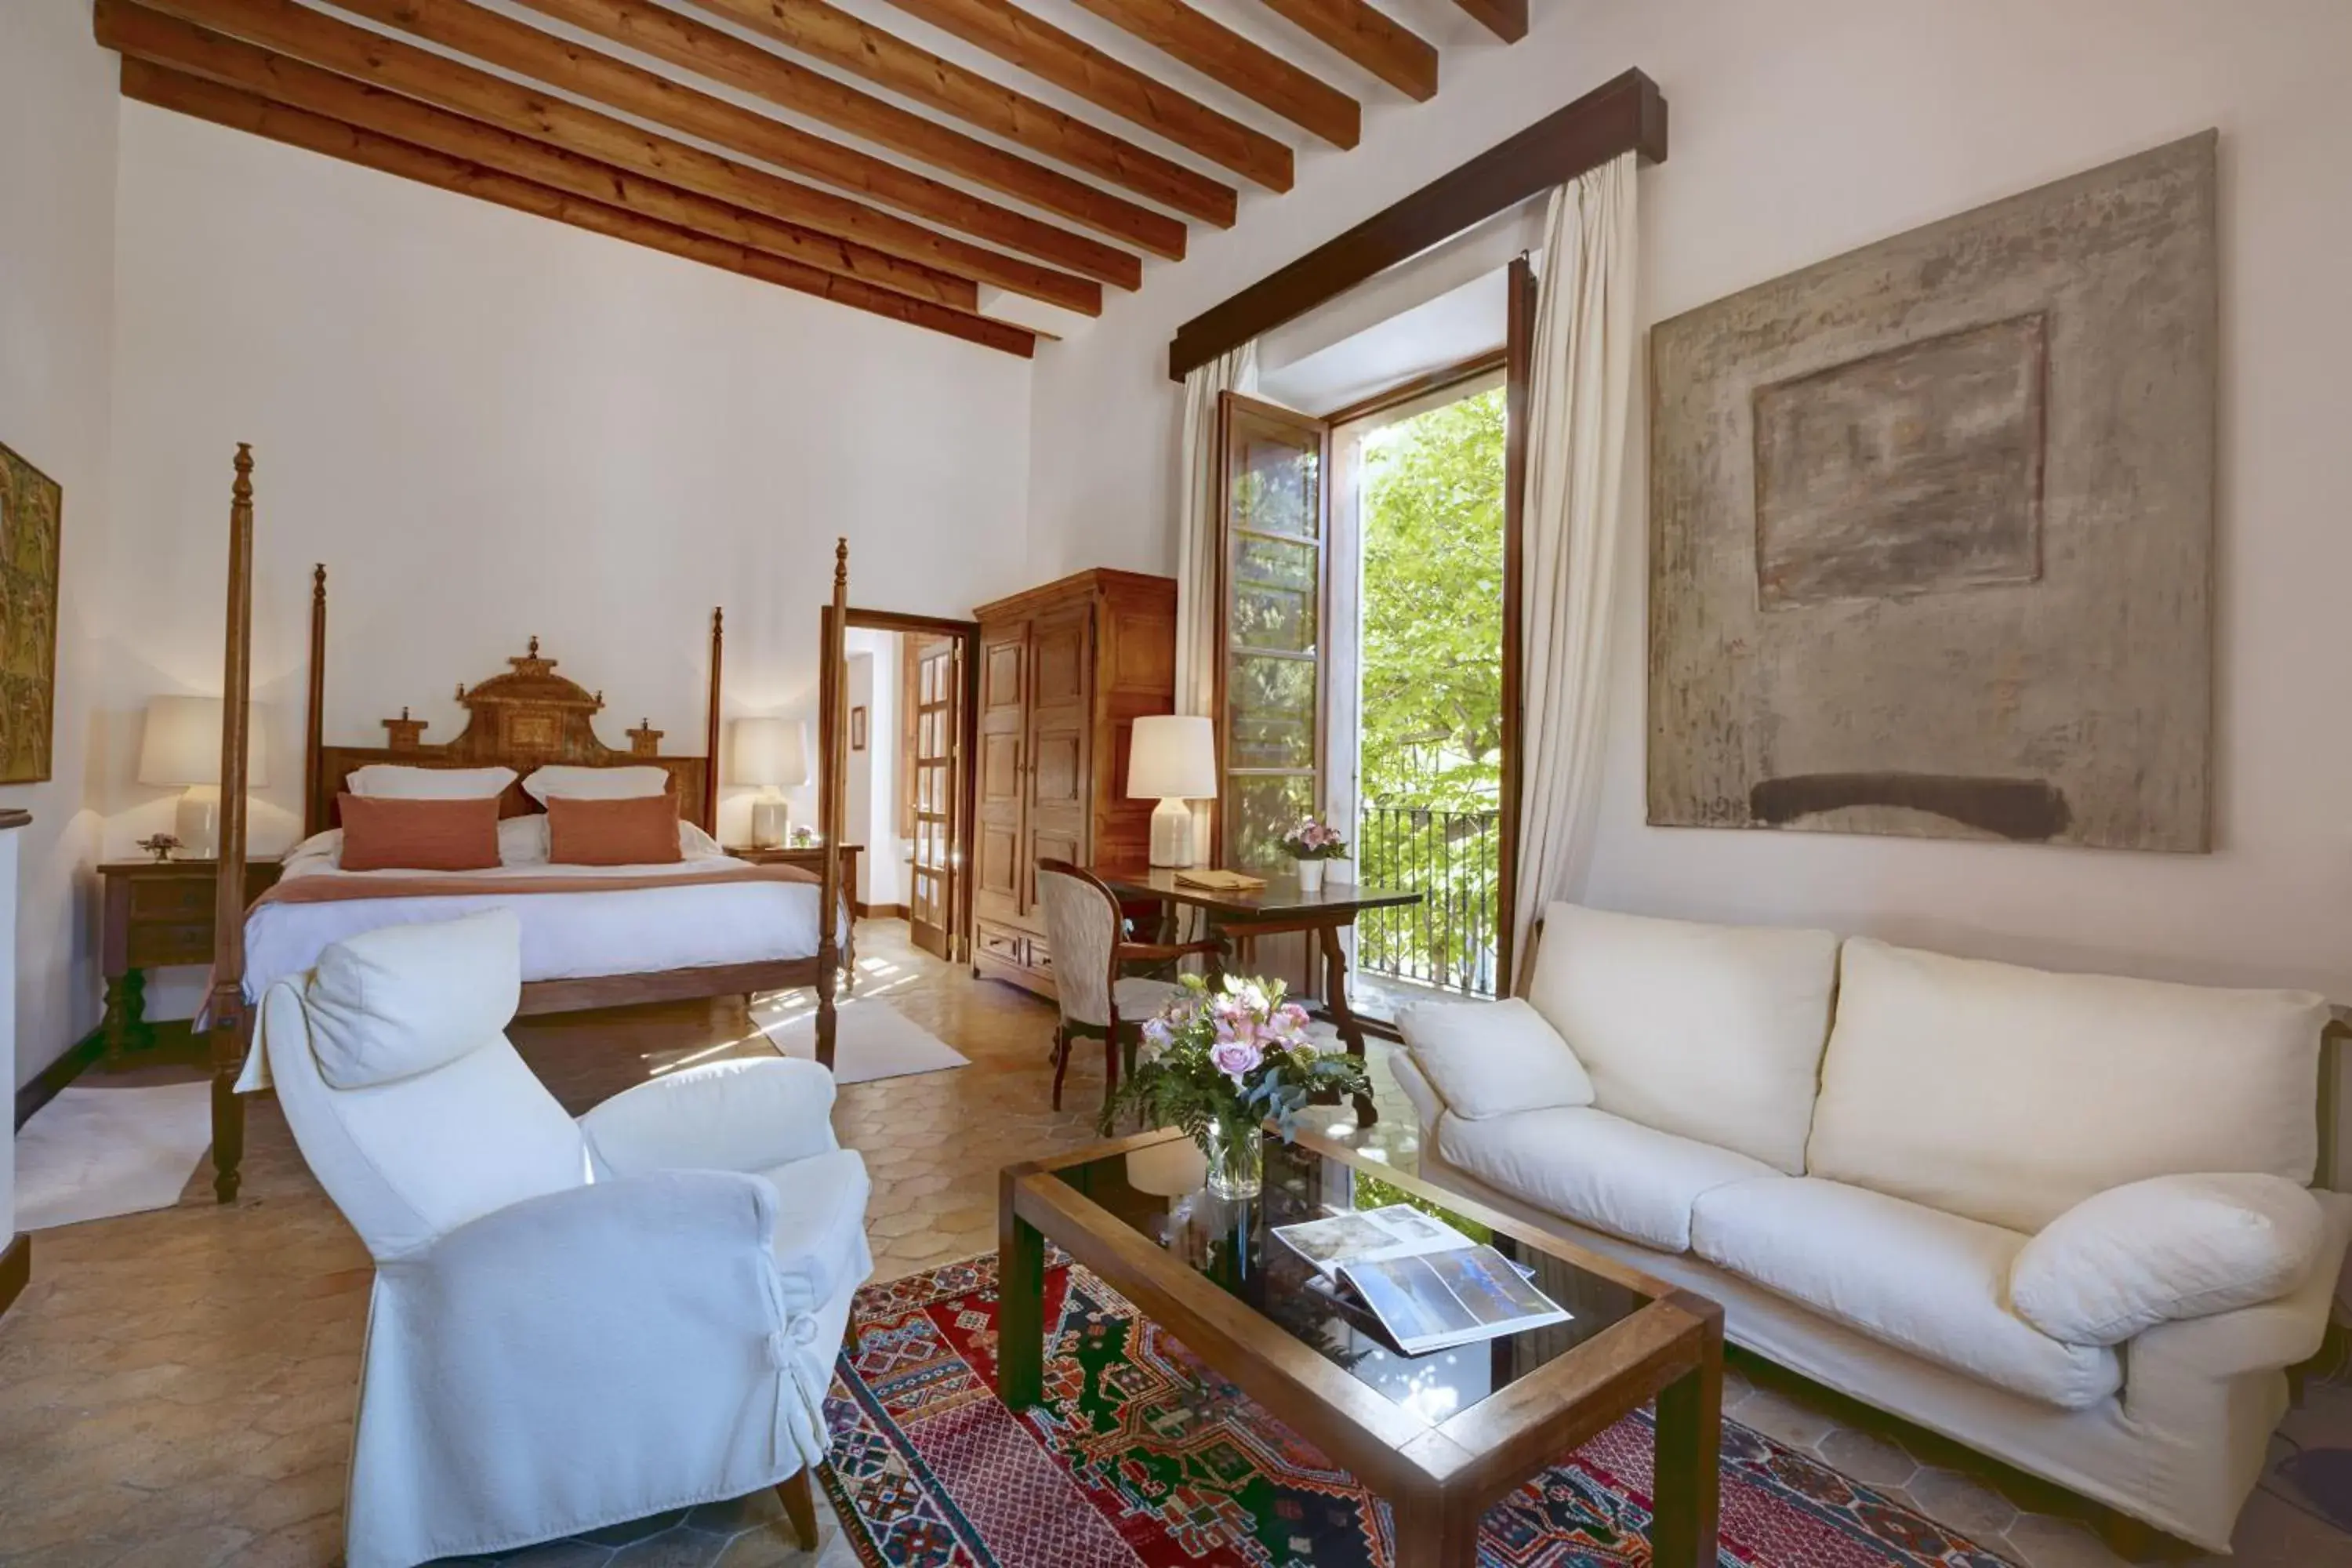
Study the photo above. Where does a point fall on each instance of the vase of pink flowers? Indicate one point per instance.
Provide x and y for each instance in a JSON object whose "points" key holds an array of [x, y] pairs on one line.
{"points": [[1218, 1063], [1310, 844]]}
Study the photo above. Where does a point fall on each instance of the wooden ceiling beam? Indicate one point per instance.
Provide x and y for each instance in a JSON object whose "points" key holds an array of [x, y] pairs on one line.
{"points": [[1216, 52], [1398, 55], [337, 46], [240, 111], [133, 30], [1507, 19], [500, 40], [829, 33], [1070, 63]]}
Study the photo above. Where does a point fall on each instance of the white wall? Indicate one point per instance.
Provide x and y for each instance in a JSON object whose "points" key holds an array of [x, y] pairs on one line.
{"points": [[57, 262], [1800, 131], [489, 425]]}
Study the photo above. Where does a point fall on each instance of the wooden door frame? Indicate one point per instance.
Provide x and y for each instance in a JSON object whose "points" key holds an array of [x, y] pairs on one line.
{"points": [[966, 816]]}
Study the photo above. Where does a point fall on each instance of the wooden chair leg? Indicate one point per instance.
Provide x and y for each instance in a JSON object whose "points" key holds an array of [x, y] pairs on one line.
{"points": [[1061, 1061], [800, 1506]]}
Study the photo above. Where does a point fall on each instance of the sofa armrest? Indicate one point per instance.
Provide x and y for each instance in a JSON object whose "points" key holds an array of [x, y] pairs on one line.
{"points": [[723, 1116], [1427, 1104], [2268, 1337]]}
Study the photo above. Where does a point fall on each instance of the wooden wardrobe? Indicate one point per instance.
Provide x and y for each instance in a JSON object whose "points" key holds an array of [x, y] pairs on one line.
{"points": [[1064, 672]]}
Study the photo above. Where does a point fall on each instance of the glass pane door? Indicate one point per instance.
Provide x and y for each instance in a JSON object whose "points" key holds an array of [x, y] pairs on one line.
{"points": [[1271, 680]]}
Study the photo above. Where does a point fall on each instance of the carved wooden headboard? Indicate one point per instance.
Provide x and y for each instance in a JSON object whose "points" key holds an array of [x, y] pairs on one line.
{"points": [[527, 717]]}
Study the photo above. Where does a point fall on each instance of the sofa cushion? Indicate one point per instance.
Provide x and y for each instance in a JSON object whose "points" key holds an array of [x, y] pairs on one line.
{"points": [[2171, 1246], [1711, 1032], [1597, 1169], [2010, 1095], [1492, 1058], [1933, 1284]]}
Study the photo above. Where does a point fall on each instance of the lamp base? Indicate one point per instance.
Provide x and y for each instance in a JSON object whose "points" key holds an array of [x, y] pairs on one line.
{"points": [[772, 823], [1171, 835], [196, 821]]}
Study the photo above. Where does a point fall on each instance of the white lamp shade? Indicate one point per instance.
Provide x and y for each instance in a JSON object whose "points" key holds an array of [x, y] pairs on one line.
{"points": [[181, 744], [1172, 757], [770, 751]]}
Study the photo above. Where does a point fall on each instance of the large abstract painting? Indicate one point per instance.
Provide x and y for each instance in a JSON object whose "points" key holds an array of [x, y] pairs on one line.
{"points": [[1932, 525], [30, 510]]}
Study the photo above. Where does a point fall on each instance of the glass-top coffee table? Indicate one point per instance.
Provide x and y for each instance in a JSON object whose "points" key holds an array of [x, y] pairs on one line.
{"points": [[1443, 1436]]}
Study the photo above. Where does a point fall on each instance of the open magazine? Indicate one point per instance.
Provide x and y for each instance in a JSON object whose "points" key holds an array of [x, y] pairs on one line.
{"points": [[1430, 1286]]}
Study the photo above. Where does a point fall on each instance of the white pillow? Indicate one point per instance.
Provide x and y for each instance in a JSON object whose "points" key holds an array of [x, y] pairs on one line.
{"points": [[391, 781], [401, 1000], [2170, 1246], [693, 844], [1492, 1058], [522, 840], [594, 783]]}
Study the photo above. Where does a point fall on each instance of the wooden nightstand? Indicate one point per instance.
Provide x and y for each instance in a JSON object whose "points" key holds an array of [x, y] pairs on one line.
{"points": [[811, 861], [158, 912]]}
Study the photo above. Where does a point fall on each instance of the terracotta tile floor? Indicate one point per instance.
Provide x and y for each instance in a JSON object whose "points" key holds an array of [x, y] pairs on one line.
{"points": [[176, 1388]]}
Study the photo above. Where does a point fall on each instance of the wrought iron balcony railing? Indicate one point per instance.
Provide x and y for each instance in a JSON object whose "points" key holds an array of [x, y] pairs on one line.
{"points": [[1450, 858]]}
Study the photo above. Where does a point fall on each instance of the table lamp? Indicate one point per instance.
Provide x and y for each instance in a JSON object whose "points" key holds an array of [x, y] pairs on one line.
{"points": [[179, 747], [771, 754], [1172, 758]]}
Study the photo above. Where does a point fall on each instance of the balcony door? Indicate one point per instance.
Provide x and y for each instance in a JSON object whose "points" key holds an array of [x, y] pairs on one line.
{"points": [[1272, 685]]}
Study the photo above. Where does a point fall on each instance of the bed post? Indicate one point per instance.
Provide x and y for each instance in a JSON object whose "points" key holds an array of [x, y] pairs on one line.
{"points": [[225, 1007], [832, 782], [711, 726], [314, 796]]}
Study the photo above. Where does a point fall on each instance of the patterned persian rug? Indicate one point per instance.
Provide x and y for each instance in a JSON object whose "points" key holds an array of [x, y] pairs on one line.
{"points": [[1142, 1458]]}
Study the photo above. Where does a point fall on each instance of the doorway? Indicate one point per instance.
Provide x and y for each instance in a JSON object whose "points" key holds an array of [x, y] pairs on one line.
{"points": [[1369, 577], [908, 686]]}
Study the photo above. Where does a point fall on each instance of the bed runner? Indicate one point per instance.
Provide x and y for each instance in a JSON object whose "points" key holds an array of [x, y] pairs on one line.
{"points": [[334, 887]]}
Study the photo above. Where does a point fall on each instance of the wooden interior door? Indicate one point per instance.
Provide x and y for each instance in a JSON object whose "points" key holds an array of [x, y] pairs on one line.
{"points": [[1061, 650], [936, 678], [999, 884], [1271, 701]]}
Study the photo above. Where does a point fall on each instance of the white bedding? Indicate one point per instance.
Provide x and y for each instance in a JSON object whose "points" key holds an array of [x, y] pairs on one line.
{"points": [[565, 936]]}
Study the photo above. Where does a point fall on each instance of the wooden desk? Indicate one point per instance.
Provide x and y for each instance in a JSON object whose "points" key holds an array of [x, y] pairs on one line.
{"points": [[810, 857], [157, 913], [1278, 909]]}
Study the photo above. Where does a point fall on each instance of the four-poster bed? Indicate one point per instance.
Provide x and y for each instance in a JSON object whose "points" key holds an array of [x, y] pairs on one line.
{"points": [[702, 925]]}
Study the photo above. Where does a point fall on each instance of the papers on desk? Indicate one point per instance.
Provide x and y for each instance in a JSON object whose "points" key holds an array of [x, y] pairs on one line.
{"points": [[1220, 881], [1430, 1286]]}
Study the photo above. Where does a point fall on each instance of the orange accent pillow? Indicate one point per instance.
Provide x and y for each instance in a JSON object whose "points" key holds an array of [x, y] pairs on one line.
{"points": [[641, 830], [390, 834]]}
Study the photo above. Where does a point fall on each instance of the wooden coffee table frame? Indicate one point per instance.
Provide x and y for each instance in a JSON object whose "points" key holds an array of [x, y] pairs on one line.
{"points": [[1439, 1478]]}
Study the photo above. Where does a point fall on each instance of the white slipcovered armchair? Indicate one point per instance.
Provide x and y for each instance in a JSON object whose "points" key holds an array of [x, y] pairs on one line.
{"points": [[574, 1323]]}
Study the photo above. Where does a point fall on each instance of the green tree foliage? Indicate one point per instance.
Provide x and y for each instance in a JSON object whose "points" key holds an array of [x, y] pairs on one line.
{"points": [[1432, 634], [1432, 512]]}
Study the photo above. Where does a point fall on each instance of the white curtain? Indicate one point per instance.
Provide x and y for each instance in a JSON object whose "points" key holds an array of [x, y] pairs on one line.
{"points": [[1199, 526], [1199, 533], [1580, 398]]}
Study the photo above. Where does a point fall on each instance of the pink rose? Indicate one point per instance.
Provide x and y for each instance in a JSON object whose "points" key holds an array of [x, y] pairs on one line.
{"points": [[1235, 1058]]}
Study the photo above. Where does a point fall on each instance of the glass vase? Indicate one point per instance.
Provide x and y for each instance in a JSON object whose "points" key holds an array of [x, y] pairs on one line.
{"points": [[1236, 1157]]}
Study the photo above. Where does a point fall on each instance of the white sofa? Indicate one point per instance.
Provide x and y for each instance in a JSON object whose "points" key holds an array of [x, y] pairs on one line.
{"points": [[1854, 1147]]}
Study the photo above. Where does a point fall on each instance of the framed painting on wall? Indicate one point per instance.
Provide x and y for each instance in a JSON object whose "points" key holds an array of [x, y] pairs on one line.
{"points": [[32, 507], [858, 729], [1931, 528]]}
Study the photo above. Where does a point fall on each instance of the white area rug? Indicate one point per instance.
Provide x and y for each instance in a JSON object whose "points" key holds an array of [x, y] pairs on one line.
{"points": [[871, 1038], [93, 1153]]}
